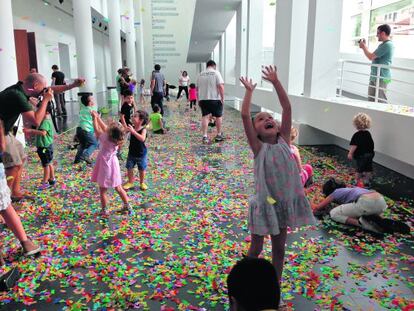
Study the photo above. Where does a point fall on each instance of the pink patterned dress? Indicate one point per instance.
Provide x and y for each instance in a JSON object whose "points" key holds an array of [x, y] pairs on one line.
{"points": [[107, 172]]}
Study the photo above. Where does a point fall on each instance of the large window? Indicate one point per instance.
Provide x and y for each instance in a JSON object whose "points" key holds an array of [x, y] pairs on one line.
{"points": [[362, 17]]}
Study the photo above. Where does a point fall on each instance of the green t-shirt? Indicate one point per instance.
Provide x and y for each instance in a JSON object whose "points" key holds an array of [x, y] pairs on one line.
{"points": [[47, 140], [13, 102], [155, 121], [85, 117], [384, 54]]}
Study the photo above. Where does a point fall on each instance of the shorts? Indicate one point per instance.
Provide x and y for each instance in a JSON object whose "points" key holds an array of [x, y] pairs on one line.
{"points": [[14, 154], [215, 107], [141, 162], [5, 200], [45, 154], [364, 162]]}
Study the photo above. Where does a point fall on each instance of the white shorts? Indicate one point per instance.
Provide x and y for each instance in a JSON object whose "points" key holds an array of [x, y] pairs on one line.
{"points": [[5, 200]]}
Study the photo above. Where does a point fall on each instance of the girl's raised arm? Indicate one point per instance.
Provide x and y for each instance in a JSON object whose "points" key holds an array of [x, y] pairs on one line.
{"points": [[251, 134], [270, 74], [97, 124]]}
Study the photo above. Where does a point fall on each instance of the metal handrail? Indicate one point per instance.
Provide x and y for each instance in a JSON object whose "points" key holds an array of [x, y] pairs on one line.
{"points": [[377, 76]]}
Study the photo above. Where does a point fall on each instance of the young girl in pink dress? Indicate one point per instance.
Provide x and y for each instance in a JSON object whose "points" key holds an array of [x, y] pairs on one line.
{"points": [[107, 172]]}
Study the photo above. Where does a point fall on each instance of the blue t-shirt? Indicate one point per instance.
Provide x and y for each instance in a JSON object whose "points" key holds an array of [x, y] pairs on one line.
{"points": [[348, 195], [384, 54]]}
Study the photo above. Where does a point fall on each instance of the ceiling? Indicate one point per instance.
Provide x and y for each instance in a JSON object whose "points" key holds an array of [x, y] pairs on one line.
{"points": [[211, 18]]}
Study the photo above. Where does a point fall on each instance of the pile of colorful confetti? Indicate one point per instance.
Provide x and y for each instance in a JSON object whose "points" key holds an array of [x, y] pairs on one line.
{"points": [[189, 229]]}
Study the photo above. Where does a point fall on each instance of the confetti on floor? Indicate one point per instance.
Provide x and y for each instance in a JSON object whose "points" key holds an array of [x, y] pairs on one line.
{"points": [[189, 229]]}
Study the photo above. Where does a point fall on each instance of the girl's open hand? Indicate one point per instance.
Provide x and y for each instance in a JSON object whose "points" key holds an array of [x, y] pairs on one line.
{"points": [[248, 83], [270, 74]]}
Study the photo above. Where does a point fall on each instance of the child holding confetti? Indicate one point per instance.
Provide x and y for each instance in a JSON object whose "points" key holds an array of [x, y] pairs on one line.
{"points": [[107, 172], [280, 200]]}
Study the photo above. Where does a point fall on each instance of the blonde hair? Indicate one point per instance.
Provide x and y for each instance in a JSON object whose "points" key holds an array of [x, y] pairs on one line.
{"points": [[294, 132], [362, 121]]}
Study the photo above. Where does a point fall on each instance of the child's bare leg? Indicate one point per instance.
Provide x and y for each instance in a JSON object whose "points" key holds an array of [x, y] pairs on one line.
{"points": [[104, 198], [51, 172], [131, 177], [45, 174], [141, 176], [122, 194], [278, 251], [256, 245], [12, 221]]}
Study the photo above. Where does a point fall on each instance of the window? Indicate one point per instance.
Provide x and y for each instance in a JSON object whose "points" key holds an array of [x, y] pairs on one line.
{"points": [[362, 17]]}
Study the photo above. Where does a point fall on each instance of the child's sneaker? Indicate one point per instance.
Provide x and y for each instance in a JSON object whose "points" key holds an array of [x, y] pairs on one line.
{"points": [[104, 212], [127, 208], [29, 248], [128, 185], [219, 137], [43, 186], [205, 140], [52, 182], [143, 186]]}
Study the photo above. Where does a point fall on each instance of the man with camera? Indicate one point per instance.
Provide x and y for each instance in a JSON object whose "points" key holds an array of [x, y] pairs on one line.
{"points": [[18, 99], [381, 56]]}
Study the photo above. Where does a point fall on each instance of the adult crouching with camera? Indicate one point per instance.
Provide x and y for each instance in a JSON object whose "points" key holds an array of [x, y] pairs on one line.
{"points": [[14, 101]]}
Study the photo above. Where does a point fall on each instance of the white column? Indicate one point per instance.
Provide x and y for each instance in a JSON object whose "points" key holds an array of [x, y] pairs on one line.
{"points": [[222, 54], [322, 48], [241, 39], [130, 37], [84, 43], [114, 16], [290, 43], [139, 33], [255, 41], [8, 72]]}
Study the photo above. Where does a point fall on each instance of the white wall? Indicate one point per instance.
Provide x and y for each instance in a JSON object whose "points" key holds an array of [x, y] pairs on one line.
{"points": [[230, 55], [392, 133], [169, 30], [52, 26]]}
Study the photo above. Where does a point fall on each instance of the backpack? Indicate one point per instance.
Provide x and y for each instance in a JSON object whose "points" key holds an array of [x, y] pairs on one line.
{"points": [[389, 225]]}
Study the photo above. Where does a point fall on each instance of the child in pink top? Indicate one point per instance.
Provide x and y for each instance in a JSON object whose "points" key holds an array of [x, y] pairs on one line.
{"points": [[193, 96]]}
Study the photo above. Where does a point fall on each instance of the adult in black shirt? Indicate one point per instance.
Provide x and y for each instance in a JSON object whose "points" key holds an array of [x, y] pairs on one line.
{"points": [[58, 78]]}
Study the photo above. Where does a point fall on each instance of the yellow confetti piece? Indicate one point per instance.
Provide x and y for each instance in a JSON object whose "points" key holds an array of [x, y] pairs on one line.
{"points": [[270, 200]]}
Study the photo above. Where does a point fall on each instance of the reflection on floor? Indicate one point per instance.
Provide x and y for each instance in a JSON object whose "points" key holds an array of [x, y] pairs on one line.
{"points": [[190, 229]]}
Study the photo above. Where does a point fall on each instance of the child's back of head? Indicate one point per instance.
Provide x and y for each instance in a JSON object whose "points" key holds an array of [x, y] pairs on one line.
{"points": [[192, 86], [115, 134], [253, 285], [331, 185], [156, 108]]}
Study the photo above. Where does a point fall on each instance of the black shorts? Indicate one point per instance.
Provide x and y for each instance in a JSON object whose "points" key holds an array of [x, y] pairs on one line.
{"points": [[215, 107], [45, 154], [364, 162]]}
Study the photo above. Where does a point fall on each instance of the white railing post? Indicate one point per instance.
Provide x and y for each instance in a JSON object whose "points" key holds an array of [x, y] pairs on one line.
{"points": [[377, 80], [342, 78]]}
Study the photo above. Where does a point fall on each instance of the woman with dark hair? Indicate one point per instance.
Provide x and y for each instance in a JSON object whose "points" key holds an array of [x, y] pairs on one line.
{"points": [[183, 83], [355, 203]]}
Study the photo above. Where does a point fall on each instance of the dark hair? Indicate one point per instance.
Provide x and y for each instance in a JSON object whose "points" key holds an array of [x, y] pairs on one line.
{"points": [[156, 108], [331, 185], [55, 67], [184, 72], [127, 93], [143, 115], [253, 283], [211, 63], [120, 70], [385, 28], [85, 100], [157, 67], [192, 86], [115, 134], [142, 82]]}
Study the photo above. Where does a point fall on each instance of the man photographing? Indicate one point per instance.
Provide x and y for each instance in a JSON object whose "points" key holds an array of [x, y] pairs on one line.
{"points": [[381, 56]]}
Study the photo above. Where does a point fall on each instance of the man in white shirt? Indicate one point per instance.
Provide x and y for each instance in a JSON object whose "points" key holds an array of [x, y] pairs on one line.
{"points": [[210, 86]]}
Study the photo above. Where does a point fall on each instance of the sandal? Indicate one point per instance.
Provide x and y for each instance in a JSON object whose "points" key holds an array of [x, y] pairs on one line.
{"points": [[30, 248]]}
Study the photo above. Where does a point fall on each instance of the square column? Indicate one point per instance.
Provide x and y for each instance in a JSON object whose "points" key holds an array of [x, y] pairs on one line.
{"points": [[290, 43], [322, 48]]}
